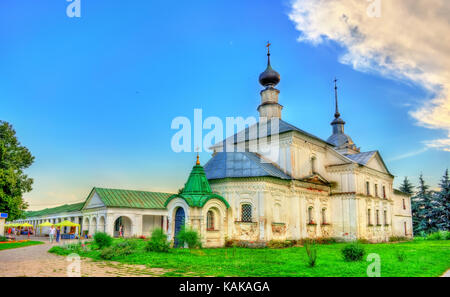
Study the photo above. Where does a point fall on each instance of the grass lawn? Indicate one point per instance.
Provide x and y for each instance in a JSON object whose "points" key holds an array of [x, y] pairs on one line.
{"points": [[422, 258], [13, 245]]}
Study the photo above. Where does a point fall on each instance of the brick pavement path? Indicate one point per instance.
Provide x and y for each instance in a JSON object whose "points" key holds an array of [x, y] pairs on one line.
{"points": [[36, 261]]}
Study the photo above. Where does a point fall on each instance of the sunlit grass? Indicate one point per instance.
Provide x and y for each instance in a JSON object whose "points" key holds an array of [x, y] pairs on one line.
{"points": [[418, 258], [13, 245]]}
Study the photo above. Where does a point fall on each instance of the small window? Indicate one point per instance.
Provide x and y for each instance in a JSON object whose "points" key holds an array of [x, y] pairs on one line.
{"points": [[404, 204], [369, 218], [384, 192], [367, 188], [376, 190], [324, 217], [246, 213], [406, 230], [210, 220], [313, 165], [378, 217], [310, 215], [385, 217]]}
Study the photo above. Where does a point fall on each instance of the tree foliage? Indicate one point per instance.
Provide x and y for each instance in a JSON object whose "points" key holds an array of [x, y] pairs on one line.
{"points": [[14, 158], [441, 204], [431, 209], [407, 187]]}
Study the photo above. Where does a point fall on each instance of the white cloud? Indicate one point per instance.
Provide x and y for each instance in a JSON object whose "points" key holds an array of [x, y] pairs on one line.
{"points": [[409, 41]]}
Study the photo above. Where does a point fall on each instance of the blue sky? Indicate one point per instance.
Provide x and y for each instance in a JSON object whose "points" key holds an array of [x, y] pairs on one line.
{"points": [[93, 97]]}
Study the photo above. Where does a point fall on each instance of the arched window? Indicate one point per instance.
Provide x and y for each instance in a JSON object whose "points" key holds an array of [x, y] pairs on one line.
{"points": [[378, 217], [313, 165], [246, 215], [369, 219], [310, 215], [384, 192], [385, 217], [210, 220], [324, 217]]}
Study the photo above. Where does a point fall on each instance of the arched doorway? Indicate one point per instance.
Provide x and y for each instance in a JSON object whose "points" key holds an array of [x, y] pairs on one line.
{"points": [[125, 222], [86, 225], [101, 224], [179, 222], [93, 228]]}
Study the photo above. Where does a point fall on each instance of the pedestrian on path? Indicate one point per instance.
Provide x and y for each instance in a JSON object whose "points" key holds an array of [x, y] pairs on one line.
{"points": [[52, 233], [58, 232]]}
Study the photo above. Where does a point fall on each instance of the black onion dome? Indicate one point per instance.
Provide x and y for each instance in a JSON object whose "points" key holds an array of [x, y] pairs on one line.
{"points": [[269, 78]]}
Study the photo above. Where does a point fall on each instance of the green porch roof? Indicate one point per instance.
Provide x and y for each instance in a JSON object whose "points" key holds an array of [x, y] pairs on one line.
{"points": [[54, 210], [131, 198], [196, 191]]}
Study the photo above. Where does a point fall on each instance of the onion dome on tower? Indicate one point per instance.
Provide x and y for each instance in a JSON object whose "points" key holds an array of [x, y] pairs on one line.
{"points": [[269, 107], [269, 78]]}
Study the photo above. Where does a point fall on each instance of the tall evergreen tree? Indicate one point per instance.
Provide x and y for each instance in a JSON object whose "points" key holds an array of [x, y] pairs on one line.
{"points": [[422, 206], [407, 187], [441, 204], [14, 158]]}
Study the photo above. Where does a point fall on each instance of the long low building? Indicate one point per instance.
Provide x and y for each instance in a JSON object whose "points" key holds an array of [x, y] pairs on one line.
{"points": [[104, 210]]}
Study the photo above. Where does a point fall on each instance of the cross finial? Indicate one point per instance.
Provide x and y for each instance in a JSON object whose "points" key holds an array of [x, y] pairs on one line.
{"points": [[268, 47], [198, 157]]}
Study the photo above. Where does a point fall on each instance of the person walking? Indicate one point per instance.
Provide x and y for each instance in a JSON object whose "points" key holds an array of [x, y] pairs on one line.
{"points": [[52, 233], [58, 233]]}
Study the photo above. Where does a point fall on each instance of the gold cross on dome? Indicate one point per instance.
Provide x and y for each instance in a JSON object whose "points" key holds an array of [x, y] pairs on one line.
{"points": [[268, 46]]}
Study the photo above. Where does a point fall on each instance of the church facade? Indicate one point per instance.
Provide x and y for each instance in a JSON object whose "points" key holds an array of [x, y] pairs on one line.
{"points": [[310, 188]]}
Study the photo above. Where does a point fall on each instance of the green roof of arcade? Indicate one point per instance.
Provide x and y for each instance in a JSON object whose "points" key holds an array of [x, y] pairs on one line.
{"points": [[131, 198]]}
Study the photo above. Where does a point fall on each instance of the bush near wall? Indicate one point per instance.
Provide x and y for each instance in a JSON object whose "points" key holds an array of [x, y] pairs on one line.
{"points": [[353, 252], [102, 240]]}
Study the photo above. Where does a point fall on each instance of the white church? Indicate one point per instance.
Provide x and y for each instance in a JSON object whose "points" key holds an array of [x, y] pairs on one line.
{"points": [[312, 188]]}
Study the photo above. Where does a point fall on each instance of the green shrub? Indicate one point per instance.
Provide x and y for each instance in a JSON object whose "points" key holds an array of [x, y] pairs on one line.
{"points": [[363, 241], [279, 244], [3, 238], [123, 248], [311, 252], [158, 242], [353, 252], [400, 254], [102, 239], [320, 240], [440, 235], [190, 237], [398, 238]]}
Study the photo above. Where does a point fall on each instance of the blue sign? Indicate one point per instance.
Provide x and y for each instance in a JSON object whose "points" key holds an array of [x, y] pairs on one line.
{"points": [[3, 215]]}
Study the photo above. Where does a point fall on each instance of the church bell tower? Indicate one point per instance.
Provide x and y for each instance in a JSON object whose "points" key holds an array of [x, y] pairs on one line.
{"points": [[269, 107]]}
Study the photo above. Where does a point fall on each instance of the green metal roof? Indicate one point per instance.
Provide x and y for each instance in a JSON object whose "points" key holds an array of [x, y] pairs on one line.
{"points": [[196, 191], [54, 210], [131, 198]]}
